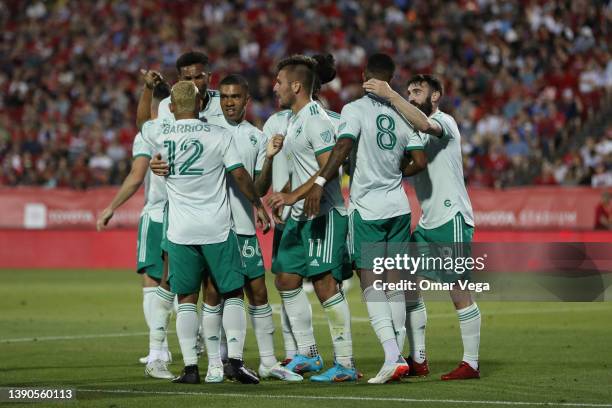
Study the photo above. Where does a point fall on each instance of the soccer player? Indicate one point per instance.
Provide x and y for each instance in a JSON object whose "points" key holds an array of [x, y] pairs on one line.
{"points": [[191, 66], [447, 213], [378, 206], [149, 255], [257, 155], [201, 238], [312, 248], [277, 125]]}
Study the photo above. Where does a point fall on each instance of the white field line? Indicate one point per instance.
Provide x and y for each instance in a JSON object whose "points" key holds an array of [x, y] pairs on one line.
{"points": [[349, 398], [319, 320]]}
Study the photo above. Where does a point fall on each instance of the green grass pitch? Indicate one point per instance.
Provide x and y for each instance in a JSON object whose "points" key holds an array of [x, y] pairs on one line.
{"points": [[85, 330]]}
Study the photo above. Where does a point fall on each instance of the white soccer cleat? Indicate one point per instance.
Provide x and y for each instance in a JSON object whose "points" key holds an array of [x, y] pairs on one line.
{"points": [[278, 371], [167, 358], [214, 374], [158, 369], [390, 372]]}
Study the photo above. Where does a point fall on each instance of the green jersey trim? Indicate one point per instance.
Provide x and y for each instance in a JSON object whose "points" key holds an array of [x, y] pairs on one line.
{"points": [[234, 167], [257, 172], [141, 155], [441, 127], [409, 148], [347, 136], [323, 150]]}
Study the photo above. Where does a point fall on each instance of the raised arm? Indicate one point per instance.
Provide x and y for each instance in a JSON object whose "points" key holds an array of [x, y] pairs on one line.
{"points": [[143, 111], [414, 115], [263, 180]]}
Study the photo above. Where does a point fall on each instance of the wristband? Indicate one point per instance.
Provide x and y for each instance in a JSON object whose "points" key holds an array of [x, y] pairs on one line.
{"points": [[320, 181]]}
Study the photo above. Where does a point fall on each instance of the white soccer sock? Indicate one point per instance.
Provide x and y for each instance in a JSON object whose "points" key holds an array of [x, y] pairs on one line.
{"points": [[234, 324], [380, 318], [263, 326], [147, 296], [288, 340], [339, 320], [416, 322], [160, 307], [211, 328], [187, 332], [300, 317], [469, 322], [223, 344], [397, 303]]}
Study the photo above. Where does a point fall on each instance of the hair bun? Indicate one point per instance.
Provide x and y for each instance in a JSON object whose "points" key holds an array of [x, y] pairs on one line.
{"points": [[325, 68]]}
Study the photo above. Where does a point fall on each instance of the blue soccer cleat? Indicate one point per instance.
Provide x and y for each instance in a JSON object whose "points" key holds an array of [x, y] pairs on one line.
{"points": [[302, 364], [337, 373]]}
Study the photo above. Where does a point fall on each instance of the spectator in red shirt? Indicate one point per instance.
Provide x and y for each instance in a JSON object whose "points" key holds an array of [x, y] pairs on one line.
{"points": [[603, 213]]}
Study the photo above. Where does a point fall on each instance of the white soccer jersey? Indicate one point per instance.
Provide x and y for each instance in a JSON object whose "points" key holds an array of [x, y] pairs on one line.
{"points": [[199, 154], [309, 134], [383, 139], [440, 188], [155, 187], [251, 145], [213, 107]]}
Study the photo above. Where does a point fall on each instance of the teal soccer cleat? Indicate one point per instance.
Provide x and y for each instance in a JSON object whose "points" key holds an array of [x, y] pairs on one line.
{"points": [[302, 364], [337, 373]]}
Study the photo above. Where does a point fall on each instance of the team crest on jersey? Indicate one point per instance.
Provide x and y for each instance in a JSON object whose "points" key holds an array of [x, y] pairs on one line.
{"points": [[447, 203], [253, 140], [326, 136]]}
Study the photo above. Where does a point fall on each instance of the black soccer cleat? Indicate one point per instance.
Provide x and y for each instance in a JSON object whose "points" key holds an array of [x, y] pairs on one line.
{"points": [[228, 372], [190, 375], [241, 373]]}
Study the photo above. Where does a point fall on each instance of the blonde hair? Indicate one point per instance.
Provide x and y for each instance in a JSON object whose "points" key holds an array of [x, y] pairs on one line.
{"points": [[184, 97]]}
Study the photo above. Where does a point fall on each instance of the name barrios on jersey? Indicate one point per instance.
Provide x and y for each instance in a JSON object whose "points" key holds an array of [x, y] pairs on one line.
{"points": [[184, 128]]}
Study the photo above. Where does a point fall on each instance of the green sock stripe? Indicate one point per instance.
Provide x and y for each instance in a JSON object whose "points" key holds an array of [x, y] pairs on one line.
{"points": [[391, 295], [468, 315], [334, 300], [164, 294], [290, 294], [416, 307], [234, 301], [257, 310], [187, 307], [211, 309]]}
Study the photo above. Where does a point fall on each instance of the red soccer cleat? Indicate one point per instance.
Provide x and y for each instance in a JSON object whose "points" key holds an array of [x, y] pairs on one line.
{"points": [[463, 372], [417, 369], [286, 361]]}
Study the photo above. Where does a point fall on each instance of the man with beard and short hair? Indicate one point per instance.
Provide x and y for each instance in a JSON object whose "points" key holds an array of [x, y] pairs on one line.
{"points": [[447, 214]]}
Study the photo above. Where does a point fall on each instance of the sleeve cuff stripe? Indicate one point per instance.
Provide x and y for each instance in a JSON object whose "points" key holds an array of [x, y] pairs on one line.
{"points": [[441, 127], [234, 167], [141, 155], [408, 148], [325, 149], [347, 135]]}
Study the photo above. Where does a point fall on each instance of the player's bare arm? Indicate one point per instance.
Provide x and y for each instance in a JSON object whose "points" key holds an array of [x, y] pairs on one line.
{"points": [[245, 184], [281, 199], [264, 179], [143, 111], [338, 156], [415, 163], [130, 185], [413, 114]]}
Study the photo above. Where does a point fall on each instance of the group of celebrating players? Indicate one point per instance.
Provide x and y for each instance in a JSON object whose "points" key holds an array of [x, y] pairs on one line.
{"points": [[206, 168]]}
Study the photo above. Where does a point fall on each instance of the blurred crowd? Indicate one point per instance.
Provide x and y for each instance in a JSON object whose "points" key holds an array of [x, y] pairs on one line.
{"points": [[521, 77]]}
